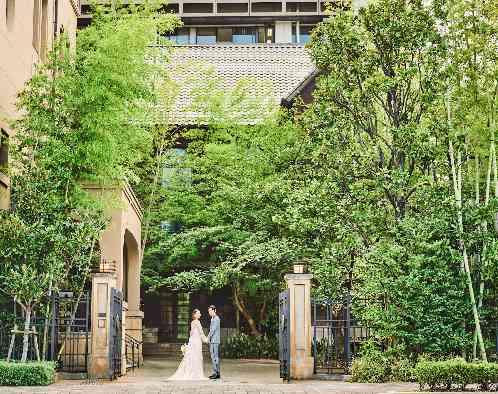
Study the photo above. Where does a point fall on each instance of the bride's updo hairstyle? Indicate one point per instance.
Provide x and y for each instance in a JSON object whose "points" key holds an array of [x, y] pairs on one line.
{"points": [[194, 312]]}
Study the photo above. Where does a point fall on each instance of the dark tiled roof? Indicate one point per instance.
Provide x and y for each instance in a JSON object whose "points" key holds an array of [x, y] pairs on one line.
{"points": [[274, 72]]}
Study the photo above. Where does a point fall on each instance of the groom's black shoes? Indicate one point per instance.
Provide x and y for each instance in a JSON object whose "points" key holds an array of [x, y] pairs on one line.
{"points": [[214, 376]]}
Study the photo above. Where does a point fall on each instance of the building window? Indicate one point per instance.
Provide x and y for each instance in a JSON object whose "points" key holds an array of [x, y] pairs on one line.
{"points": [[170, 227], [170, 8], [248, 35], [4, 151], [174, 172], [10, 10], [304, 33], [300, 7], [86, 9], [224, 34], [197, 8], [266, 7], [36, 25], [232, 8], [44, 30], [206, 35], [212, 35], [180, 36]]}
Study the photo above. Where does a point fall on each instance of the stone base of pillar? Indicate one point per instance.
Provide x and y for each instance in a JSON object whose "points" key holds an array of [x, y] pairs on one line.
{"points": [[302, 368], [98, 367]]}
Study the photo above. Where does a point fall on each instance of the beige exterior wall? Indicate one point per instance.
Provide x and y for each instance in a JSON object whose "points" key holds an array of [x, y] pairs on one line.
{"points": [[22, 46], [120, 241], [124, 232]]}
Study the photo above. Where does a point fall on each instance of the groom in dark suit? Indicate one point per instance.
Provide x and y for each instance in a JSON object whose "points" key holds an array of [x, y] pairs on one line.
{"points": [[214, 341]]}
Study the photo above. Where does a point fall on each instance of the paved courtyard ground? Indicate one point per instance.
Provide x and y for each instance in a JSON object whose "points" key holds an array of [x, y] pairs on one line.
{"points": [[239, 377]]}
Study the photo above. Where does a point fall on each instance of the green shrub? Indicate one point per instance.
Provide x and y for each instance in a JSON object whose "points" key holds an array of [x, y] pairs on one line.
{"points": [[246, 346], [402, 370], [370, 369], [445, 374], [377, 366], [27, 374]]}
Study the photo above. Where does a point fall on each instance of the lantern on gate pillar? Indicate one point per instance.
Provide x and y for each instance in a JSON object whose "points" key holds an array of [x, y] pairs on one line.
{"points": [[299, 267]]}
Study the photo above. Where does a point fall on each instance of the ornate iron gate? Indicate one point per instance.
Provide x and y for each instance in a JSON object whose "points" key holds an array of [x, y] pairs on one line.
{"points": [[116, 334], [69, 336], [284, 334], [336, 335]]}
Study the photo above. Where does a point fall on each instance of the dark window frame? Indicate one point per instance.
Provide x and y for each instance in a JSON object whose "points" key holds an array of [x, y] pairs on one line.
{"points": [[10, 13], [269, 7], [4, 151], [232, 8], [189, 8]]}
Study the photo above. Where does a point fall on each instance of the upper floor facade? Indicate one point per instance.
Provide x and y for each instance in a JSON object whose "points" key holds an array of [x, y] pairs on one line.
{"points": [[207, 22], [27, 30]]}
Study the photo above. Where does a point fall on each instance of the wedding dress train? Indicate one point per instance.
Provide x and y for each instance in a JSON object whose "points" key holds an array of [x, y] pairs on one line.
{"points": [[191, 367]]}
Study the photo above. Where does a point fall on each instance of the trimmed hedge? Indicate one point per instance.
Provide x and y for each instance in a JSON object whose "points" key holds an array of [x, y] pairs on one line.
{"points": [[443, 375], [246, 346], [27, 374]]}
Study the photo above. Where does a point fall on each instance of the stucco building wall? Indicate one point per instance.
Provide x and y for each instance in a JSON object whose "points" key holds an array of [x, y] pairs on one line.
{"points": [[26, 34]]}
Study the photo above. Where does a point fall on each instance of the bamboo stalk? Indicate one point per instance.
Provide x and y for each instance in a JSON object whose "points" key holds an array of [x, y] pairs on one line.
{"points": [[457, 183], [456, 172]]}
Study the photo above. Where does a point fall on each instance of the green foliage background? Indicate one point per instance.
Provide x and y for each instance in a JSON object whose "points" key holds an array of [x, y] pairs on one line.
{"points": [[359, 184]]}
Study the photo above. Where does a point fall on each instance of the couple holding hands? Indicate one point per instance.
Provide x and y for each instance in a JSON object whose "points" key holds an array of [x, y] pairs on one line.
{"points": [[191, 366]]}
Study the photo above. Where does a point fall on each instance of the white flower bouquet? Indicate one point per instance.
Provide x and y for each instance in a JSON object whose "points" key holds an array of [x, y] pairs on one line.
{"points": [[184, 348]]}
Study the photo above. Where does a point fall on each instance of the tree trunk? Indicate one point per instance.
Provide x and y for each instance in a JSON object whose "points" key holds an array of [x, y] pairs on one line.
{"points": [[262, 312], [159, 157], [239, 303], [47, 320], [25, 338], [78, 299]]}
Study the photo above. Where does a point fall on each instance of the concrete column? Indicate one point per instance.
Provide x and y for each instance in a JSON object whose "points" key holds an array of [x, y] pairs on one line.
{"points": [[283, 32], [301, 361], [192, 35], [101, 320]]}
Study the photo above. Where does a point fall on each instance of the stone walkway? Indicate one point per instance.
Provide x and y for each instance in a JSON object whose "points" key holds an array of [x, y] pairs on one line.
{"points": [[239, 377]]}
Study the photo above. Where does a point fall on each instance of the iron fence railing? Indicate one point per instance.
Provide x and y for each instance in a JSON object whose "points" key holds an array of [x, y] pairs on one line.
{"points": [[133, 352], [337, 335]]}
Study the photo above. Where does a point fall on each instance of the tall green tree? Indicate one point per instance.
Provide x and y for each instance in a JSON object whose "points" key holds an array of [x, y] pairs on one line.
{"points": [[83, 121]]}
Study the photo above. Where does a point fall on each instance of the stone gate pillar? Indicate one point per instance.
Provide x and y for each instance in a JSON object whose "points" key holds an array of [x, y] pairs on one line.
{"points": [[102, 283], [301, 361]]}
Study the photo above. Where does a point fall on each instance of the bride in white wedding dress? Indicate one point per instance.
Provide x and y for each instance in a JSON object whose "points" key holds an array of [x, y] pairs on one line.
{"points": [[191, 367]]}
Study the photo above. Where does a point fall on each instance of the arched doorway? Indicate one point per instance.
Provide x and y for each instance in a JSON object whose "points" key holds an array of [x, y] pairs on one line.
{"points": [[130, 272]]}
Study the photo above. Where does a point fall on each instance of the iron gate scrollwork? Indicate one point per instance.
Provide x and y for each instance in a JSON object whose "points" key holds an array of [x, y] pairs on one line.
{"points": [[116, 334], [284, 334], [337, 335]]}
